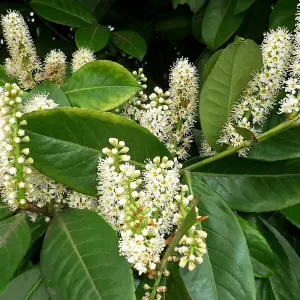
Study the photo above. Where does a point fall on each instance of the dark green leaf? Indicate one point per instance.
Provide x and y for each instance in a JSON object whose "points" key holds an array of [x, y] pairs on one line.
{"points": [[130, 42], [261, 254], [195, 5], [244, 132], [94, 37], [4, 211], [211, 63], [224, 85], [27, 286], [66, 143], [226, 272], [200, 65], [174, 28], [54, 92], [242, 5], [283, 14], [80, 259], [285, 282], [292, 213], [219, 22], [264, 290], [253, 186], [283, 145], [66, 12], [196, 25], [14, 242], [100, 85]]}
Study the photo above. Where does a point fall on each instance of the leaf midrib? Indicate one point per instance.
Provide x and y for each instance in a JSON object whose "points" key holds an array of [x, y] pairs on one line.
{"points": [[34, 288], [73, 245], [100, 87]]}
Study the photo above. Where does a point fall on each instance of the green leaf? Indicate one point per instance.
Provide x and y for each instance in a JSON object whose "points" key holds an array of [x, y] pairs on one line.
{"points": [[4, 78], [27, 286], [80, 259], [226, 272], [283, 145], [211, 63], [66, 143], [285, 282], [244, 132], [283, 14], [4, 211], [130, 42], [195, 5], [242, 5], [292, 213], [100, 85], [224, 85], [94, 37], [54, 92], [253, 186], [196, 25], [264, 290], [219, 22], [261, 254], [176, 288], [66, 12], [14, 242]]}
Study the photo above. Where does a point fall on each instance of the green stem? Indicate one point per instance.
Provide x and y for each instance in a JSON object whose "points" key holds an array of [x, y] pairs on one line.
{"points": [[284, 125], [16, 150]]}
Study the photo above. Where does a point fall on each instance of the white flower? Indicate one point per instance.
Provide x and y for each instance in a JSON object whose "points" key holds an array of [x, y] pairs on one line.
{"points": [[24, 63], [55, 67], [80, 201], [81, 57], [39, 102]]}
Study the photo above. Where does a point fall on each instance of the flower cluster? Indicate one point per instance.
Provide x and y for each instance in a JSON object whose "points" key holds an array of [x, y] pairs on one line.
{"points": [[24, 63], [290, 104], [39, 101], [133, 108], [259, 96], [14, 160], [183, 107], [142, 206], [55, 67], [169, 115], [81, 57]]}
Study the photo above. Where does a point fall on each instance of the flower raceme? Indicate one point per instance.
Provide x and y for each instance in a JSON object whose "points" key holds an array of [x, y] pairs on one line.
{"points": [[169, 115], [259, 96], [144, 207]]}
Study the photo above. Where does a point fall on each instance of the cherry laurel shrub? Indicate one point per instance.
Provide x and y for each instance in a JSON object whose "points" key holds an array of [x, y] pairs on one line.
{"points": [[102, 196]]}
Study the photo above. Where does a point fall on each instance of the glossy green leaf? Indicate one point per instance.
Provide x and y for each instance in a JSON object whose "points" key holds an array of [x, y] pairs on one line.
{"points": [[292, 213], [130, 42], [283, 14], [224, 85], [211, 63], [285, 282], [100, 85], [27, 286], [242, 5], [94, 37], [66, 143], [264, 290], [14, 242], [54, 92], [261, 254], [195, 5], [66, 12], [283, 145], [196, 25], [4, 78], [226, 272], [80, 259], [253, 186], [219, 22], [4, 210]]}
